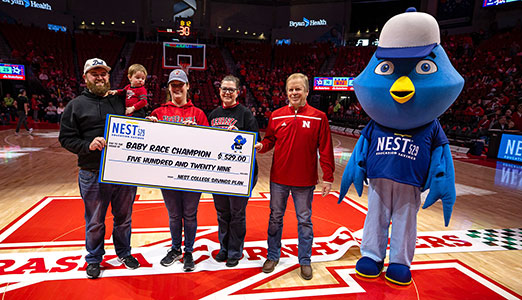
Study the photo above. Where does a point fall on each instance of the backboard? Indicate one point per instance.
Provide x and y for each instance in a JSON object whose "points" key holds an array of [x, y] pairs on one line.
{"points": [[176, 55]]}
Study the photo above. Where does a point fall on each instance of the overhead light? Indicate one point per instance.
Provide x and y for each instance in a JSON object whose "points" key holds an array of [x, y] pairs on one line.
{"points": [[219, 26], [92, 23], [102, 22], [122, 22], [237, 31], [133, 21], [228, 29], [367, 30], [253, 33], [83, 22], [246, 32], [112, 23]]}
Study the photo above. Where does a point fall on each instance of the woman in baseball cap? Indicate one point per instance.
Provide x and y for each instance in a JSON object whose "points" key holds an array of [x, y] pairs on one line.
{"points": [[181, 205]]}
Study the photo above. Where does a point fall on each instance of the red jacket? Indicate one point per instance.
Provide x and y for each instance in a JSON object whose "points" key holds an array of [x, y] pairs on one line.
{"points": [[296, 137], [171, 113]]}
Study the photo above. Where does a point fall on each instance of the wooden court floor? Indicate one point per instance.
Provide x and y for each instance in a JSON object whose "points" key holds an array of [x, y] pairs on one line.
{"points": [[33, 167]]}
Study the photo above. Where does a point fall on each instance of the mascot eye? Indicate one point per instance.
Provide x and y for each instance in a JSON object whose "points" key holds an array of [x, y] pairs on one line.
{"points": [[384, 68], [425, 67]]}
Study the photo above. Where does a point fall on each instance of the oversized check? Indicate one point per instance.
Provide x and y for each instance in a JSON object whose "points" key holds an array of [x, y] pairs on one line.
{"points": [[175, 156]]}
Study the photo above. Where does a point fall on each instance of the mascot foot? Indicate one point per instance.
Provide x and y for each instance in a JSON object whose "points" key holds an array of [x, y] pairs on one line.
{"points": [[398, 274], [369, 268]]}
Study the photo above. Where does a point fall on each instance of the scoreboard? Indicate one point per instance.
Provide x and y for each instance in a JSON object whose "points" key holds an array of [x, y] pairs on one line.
{"points": [[184, 26], [11, 71], [333, 83], [182, 30]]}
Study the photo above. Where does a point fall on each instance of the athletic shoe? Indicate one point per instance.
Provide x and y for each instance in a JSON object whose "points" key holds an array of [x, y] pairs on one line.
{"points": [[30, 130], [221, 256], [188, 262], [130, 262], [172, 256], [232, 262], [93, 270]]}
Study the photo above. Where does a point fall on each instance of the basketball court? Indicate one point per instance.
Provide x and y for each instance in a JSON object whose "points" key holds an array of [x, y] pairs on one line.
{"points": [[42, 238]]}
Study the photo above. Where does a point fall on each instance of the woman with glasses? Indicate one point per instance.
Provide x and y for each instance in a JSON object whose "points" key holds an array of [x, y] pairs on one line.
{"points": [[231, 209], [181, 205]]}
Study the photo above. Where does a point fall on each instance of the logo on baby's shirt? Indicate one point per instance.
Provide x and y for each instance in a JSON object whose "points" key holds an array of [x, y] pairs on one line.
{"points": [[130, 93]]}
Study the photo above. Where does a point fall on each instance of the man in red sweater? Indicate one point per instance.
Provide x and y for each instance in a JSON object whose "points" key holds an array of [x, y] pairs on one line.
{"points": [[296, 132]]}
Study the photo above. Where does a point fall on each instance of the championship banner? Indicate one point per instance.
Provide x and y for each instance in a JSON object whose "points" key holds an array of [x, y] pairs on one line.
{"points": [[176, 156]]}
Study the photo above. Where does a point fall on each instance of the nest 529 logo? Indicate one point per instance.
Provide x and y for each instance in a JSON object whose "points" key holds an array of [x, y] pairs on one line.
{"points": [[128, 129]]}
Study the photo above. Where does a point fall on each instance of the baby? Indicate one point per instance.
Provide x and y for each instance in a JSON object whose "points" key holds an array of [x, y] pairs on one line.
{"points": [[136, 93]]}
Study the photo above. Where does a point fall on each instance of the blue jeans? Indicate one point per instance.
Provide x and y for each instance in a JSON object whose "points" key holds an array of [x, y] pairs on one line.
{"points": [[303, 197], [96, 198], [183, 209]]}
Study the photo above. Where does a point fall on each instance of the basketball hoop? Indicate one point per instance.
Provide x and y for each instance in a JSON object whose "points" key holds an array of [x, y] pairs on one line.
{"points": [[185, 67]]}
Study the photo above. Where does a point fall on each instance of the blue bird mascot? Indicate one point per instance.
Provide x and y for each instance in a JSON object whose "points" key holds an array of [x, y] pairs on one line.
{"points": [[408, 83]]}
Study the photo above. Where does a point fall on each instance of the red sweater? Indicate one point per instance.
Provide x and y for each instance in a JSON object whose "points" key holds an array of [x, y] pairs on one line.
{"points": [[172, 113], [296, 137]]}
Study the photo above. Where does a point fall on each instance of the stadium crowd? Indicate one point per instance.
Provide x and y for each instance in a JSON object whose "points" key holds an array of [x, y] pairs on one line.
{"points": [[490, 63]]}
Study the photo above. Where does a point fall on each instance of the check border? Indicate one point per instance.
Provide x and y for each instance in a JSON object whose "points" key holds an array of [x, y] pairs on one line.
{"points": [[103, 158]]}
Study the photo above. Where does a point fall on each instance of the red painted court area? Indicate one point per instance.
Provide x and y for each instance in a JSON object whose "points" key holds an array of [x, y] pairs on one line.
{"points": [[60, 219], [432, 280]]}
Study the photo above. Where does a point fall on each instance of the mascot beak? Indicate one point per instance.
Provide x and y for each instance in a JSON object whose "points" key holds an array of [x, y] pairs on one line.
{"points": [[402, 90]]}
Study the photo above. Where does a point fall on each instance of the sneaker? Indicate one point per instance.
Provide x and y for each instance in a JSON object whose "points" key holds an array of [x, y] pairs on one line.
{"points": [[30, 130], [232, 262], [130, 262], [221, 256], [269, 265], [16, 133], [188, 262], [93, 270], [172, 256]]}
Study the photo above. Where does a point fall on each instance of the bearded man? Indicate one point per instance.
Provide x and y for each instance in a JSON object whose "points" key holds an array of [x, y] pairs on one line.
{"points": [[81, 132]]}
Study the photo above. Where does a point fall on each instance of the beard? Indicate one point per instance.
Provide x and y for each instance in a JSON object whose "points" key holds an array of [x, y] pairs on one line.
{"points": [[98, 90]]}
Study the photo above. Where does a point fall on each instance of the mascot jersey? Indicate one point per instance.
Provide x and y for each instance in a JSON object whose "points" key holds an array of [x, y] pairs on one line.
{"points": [[402, 155]]}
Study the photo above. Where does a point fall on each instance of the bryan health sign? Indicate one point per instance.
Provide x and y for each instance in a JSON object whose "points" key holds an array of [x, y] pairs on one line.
{"points": [[306, 23]]}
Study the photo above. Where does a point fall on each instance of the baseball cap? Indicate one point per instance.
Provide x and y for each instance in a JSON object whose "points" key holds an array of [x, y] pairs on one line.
{"points": [[95, 63], [178, 75], [408, 35]]}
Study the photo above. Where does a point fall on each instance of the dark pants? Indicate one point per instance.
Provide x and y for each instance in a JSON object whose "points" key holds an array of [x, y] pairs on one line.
{"points": [[96, 198], [22, 118], [183, 209], [231, 216]]}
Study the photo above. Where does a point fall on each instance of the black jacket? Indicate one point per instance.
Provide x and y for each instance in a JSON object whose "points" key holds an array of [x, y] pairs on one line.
{"points": [[84, 119]]}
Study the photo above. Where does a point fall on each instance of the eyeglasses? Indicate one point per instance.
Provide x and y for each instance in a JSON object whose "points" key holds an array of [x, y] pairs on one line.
{"points": [[228, 90]]}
